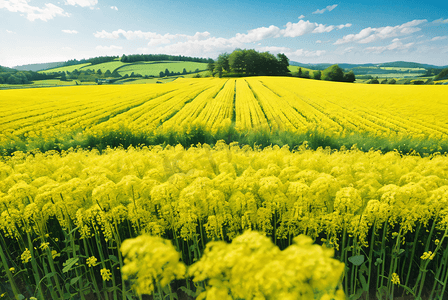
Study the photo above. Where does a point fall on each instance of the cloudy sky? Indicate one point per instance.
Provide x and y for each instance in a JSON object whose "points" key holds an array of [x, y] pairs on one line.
{"points": [[320, 31]]}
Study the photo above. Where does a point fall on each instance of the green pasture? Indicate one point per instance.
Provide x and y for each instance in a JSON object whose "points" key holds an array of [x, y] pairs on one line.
{"points": [[66, 68], [404, 69], [111, 66], [295, 69], [154, 68]]}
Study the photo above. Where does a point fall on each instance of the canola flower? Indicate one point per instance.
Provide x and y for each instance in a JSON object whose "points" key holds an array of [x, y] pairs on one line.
{"points": [[395, 278], [252, 267], [150, 260], [26, 256], [91, 261], [106, 274]]}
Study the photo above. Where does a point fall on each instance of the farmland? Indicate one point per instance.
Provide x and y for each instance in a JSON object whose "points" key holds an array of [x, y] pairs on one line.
{"points": [[143, 68], [224, 187]]}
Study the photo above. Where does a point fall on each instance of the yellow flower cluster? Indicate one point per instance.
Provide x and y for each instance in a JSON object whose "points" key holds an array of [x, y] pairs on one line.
{"points": [[150, 260], [428, 255], [252, 267], [106, 274], [395, 278], [26, 256]]}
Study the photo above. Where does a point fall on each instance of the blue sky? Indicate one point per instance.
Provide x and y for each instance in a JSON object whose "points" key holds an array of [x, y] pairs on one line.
{"points": [[36, 31]]}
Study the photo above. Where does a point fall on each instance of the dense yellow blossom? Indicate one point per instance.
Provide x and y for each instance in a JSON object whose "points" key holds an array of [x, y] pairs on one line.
{"points": [[149, 260], [251, 267]]}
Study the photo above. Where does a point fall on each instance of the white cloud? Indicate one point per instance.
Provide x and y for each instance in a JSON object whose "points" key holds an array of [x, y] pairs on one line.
{"points": [[344, 26], [298, 29], [108, 48], [328, 8], [323, 28], [48, 12], [441, 21], [274, 49], [66, 48], [114, 7], [10, 32], [368, 35], [257, 34], [306, 53], [82, 3], [395, 46], [301, 17], [69, 31], [438, 38]]}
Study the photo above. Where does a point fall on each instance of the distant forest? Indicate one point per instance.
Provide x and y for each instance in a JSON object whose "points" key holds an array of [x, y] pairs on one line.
{"points": [[162, 57]]}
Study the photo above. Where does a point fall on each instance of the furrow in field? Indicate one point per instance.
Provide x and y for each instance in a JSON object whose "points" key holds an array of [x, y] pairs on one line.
{"points": [[249, 114]]}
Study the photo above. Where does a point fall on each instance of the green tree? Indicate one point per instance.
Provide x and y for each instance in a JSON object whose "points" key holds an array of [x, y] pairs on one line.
{"points": [[223, 62], [283, 63], [184, 71], [236, 61], [333, 73], [167, 72], [99, 72], [210, 67], [63, 77], [161, 74], [107, 74], [392, 81], [317, 75], [349, 77], [115, 74]]}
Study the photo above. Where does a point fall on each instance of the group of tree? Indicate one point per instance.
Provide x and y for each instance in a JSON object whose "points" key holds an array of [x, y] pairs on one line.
{"points": [[11, 76], [161, 57], [172, 73], [249, 62], [332, 73], [443, 74]]}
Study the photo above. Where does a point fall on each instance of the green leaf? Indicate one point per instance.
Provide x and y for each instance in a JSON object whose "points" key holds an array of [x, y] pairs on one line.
{"points": [[113, 258], [74, 280], [69, 264], [20, 297], [188, 292], [67, 296], [357, 260]]}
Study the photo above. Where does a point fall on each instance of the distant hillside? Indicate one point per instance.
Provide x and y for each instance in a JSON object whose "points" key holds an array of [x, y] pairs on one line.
{"points": [[39, 67], [396, 64]]}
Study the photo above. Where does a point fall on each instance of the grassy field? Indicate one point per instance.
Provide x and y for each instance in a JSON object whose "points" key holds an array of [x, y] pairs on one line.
{"points": [[66, 68], [154, 68], [143, 68]]}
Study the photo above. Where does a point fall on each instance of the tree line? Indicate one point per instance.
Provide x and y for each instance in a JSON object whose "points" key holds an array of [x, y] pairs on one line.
{"points": [[11, 76], [332, 73], [249, 62], [161, 57]]}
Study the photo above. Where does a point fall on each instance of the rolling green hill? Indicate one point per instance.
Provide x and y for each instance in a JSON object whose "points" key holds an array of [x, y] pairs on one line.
{"points": [[150, 68]]}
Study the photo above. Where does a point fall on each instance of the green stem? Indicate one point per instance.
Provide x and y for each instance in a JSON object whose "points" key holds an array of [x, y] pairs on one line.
{"points": [[425, 264], [369, 272], [9, 274], [100, 250], [92, 276], [34, 266], [414, 246]]}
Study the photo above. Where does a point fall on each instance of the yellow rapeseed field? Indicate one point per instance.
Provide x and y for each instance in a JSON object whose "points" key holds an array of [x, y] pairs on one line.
{"points": [[275, 103], [224, 221]]}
